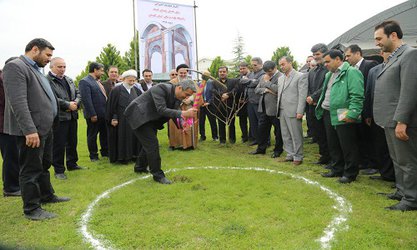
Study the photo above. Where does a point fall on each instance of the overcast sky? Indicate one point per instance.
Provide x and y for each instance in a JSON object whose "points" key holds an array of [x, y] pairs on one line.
{"points": [[79, 29]]}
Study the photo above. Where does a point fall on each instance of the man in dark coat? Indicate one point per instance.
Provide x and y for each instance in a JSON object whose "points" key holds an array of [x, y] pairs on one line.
{"points": [[110, 83], [123, 146], [148, 113], [66, 133], [353, 55], [30, 119], [9, 151]]}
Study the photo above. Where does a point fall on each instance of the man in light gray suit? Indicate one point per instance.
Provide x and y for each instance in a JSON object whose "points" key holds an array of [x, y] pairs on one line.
{"points": [[267, 109], [292, 93], [30, 110], [395, 109], [148, 113]]}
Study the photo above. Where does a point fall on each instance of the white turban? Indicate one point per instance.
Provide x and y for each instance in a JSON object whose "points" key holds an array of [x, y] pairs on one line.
{"points": [[130, 72]]}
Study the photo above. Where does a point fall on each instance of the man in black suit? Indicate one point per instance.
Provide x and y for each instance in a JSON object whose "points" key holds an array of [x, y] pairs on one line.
{"points": [[148, 113], [353, 54], [314, 89], [65, 135], [30, 119], [93, 96]]}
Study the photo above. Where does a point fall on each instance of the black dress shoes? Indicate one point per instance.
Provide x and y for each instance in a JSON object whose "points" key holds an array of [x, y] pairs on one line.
{"points": [[401, 207], [60, 176], [56, 199], [40, 214], [394, 196], [253, 143], [12, 194], [256, 152], [276, 155], [75, 168], [369, 171], [345, 180], [163, 180], [330, 174]]}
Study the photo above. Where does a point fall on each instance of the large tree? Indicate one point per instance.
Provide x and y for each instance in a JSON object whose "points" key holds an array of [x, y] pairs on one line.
{"points": [[214, 67], [109, 56], [284, 51], [129, 57], [238, 55]]}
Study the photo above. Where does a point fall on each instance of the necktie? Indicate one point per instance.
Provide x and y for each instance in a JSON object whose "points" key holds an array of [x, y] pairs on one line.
{"points": [[103, 91]]}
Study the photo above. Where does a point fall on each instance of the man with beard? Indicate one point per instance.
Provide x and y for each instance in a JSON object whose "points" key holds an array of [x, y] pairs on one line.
{"points": [[30, 118]]}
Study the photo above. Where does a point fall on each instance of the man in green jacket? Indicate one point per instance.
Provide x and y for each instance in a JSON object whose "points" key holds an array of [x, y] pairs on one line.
{"points": [[340, 106]]}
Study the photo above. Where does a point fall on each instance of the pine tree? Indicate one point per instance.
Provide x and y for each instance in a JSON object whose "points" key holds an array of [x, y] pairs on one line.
{"points": [[111, 56], [129, 57], [214, 67], [238, 52], [284, 51]]}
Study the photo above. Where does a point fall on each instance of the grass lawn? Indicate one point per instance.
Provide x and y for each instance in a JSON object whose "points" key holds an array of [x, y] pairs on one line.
{"points": [[209, 208]]}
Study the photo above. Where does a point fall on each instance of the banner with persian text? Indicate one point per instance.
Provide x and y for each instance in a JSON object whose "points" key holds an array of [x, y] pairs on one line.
{"points": [[166, 36]]}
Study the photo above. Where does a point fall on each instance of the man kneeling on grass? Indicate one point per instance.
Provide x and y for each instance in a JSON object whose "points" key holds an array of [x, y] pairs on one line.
{"points": [[148, 113]]}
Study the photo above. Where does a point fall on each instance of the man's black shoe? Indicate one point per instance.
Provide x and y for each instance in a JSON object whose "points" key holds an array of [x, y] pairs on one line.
{"points": [[40, 214], [215, 139], [76, 168], [376, 177], [12, 194], [202, 138], [329, 166], [56, 199], [253, 143], [244, 140], [394, 196], [369, 171], [256, 152], [345, 180], [60, 176], [401, 207], [276, 154], [163, 180], [331, 174]]}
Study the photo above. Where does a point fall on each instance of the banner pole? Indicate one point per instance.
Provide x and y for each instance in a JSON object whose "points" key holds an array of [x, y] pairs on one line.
{"points": [[196, 38], [135, 36]]}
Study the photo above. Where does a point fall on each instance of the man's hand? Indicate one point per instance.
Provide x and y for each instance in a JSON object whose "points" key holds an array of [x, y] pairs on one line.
{"points": [[299, 116], [309, 100], [73, 106], [94, 119], [33, 141], [114, 122], [348, 120], [401, 131], [189, 113], [368, 121], [205, 104], [269, 91], [225, 96]]}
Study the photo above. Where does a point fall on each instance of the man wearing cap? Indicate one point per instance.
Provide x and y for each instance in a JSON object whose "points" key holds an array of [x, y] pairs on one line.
{"points": [[148, 113], [123, 146]]}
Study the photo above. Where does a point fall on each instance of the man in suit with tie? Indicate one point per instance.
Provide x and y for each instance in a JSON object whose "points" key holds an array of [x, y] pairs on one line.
{"points": [[93, 96], [292, 93], [395, 109], [353, 54], [30, 111], [149, 112], [267, 109]]}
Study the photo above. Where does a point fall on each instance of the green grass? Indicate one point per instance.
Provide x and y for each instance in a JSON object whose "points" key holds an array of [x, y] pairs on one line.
{"points": [[210, 209]]}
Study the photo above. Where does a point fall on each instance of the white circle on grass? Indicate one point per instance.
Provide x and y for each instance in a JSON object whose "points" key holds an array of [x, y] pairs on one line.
{"points": [[337, 223]]}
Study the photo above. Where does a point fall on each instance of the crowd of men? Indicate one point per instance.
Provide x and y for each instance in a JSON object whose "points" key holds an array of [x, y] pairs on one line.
{"points": [[362, 115]]}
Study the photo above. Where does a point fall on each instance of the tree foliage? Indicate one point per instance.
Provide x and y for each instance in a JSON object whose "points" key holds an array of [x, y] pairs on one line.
{"points": [[238, 52], [284, 51], [109, 56], [129, 57], [214, 67]]}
